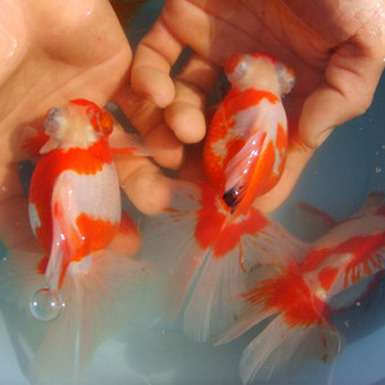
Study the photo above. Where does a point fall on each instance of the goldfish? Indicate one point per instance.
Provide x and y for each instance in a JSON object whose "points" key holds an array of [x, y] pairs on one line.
{"points": [[76, 282], [210, 234], [299, 296]]}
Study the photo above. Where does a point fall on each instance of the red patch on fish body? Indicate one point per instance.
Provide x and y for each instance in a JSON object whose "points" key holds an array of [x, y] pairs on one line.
{"points": [[290, 295], [83, 161], [364, 259], [210, 219], [230, 236], [216, 157]]}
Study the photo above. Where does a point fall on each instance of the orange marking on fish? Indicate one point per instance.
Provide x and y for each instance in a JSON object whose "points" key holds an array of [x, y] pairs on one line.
{"points": [[290, 295], [123, 151], [97, 234], [210, 220], [221, 126], [82, 161], [231, 234], [42, 265], [327, 277]]}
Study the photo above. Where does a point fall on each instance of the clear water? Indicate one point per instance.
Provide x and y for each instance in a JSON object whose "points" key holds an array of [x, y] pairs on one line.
{"points": [[344, 170]]}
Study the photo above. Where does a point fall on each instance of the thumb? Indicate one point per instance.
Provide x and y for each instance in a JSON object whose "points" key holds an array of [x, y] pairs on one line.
{"points": [[350, 83]]}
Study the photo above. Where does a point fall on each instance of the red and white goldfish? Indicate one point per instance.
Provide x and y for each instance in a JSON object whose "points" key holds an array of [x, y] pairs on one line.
{"points": [[213, 227], [75, 213], [299, 295]]}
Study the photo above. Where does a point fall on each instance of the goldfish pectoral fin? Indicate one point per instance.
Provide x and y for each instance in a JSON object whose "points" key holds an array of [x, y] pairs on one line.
{"points": [[33, 140], [169, 243], [281, 346], [129, 144]]}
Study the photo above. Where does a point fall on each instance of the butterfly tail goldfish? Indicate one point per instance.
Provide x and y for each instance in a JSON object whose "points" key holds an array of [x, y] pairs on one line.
{"points": [[210, 234], [299, 296], [299, 325], [206, 254], [77, 282]]}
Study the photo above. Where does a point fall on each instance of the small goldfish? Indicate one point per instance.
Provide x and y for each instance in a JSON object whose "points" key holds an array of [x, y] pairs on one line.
{"points": [[300, 295], [75, 212], [211, 233]]}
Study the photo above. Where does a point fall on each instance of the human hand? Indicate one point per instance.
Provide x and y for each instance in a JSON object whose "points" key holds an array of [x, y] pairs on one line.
{"points": [[337, 48], [51, 52]]}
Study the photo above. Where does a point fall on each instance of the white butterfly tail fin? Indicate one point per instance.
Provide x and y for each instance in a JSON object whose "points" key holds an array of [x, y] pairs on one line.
{"points": [[280, 346], [217, 299], [169, 243], [102, 292]]}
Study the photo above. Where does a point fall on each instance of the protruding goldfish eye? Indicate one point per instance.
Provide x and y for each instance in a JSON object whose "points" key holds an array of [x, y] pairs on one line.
{"points": [[102, 122], [236, 67], [106, 122], [286, 77], [53, 120]]}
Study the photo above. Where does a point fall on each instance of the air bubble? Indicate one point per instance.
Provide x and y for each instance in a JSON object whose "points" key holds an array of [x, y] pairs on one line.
{"points": [[46, 304]]}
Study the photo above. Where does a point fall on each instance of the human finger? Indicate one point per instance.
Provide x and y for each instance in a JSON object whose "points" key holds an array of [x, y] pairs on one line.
{"points": [[147, 118], [185, 116], [154, 57], [144, 184], [296, 161], [351, 78]]}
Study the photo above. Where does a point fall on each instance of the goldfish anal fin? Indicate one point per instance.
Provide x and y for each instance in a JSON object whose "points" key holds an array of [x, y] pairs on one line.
{"points": [[33, 141]]}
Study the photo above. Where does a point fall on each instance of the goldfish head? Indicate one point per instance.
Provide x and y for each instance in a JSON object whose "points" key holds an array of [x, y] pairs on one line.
{"points": [[79, 123], [261, 71]]}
